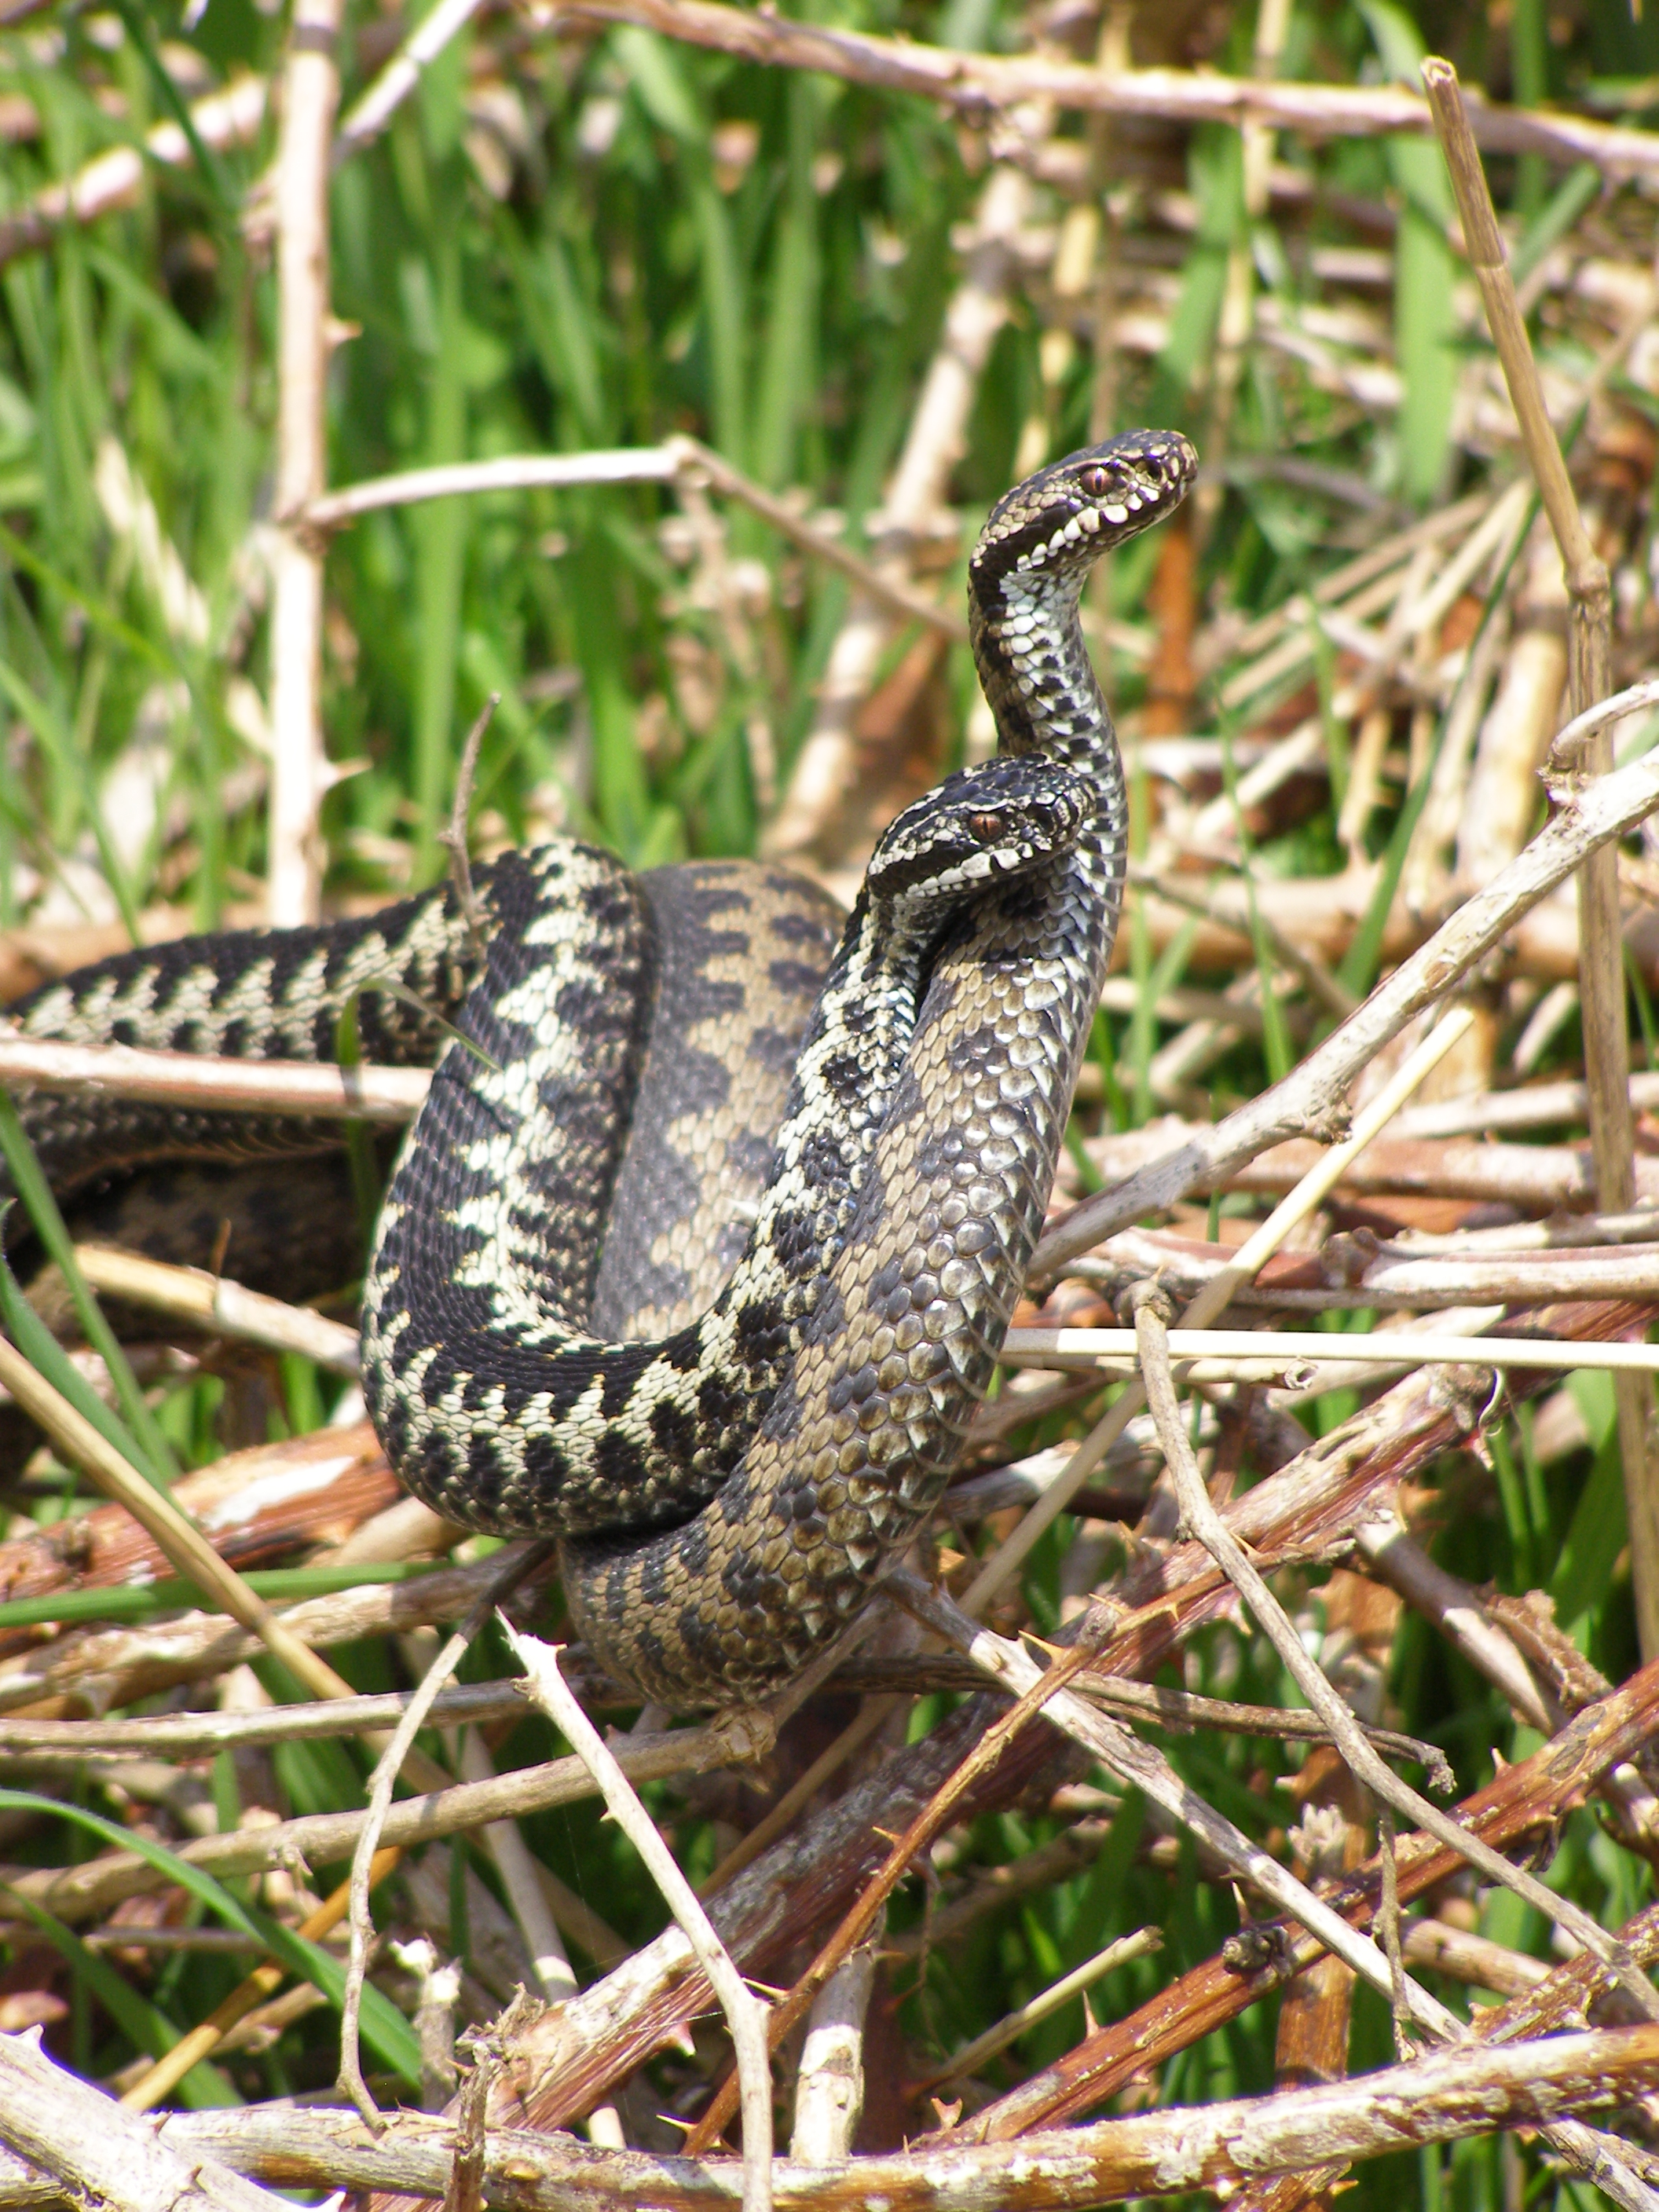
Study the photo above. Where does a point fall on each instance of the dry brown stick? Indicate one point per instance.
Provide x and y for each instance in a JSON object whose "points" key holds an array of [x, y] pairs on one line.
{"points": [[1395, 1557], [270, 1499], [1567, 748], [747, 2016], [1201, 1519], [1308, 1101], [1125, 1756], [1589, 663], [214, 1302], [928, 1825], [981, 84], [1141, 1943], [184, 1735], [1360, 1274], [187, 1550], [1043, 1867], [161, 2079], [1541, 1177], [1321, 1177], [241, 1086], [454, 838], [311, 92], [111, 1667], [1445, 2096], [95, 1885], [1523, 1800], [829, 1761], [830, 2085], [676, 458], [1223, 1355], [383, 1782], [100, 2154], [374, 108], [233, 117]]}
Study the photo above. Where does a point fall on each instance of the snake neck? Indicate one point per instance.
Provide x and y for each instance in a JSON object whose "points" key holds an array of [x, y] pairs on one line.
{"points": [[1035, 670], [1045, 697]]}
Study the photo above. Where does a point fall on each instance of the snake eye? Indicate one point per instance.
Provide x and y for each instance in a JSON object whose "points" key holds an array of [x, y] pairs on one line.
{"points": [[988, 828]]}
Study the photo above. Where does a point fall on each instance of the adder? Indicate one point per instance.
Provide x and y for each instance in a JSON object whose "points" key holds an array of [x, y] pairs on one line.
{"points": [[701, 1252]]}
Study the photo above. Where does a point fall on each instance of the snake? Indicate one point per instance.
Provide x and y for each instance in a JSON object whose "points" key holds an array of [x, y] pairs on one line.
{"points": [[700, 1254]]}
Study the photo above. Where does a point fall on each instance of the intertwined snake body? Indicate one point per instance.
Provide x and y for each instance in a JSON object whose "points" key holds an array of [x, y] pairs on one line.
{"points": [[728, 1489]]}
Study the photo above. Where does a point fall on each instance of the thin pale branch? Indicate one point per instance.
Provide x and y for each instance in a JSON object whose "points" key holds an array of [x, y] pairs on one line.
{"points": [[1201, 1519], [746, 2014], [983, 85], [1309, 1099]]}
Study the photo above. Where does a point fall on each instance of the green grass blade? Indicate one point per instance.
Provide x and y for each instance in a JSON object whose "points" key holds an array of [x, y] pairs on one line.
{"points": [[156, 1461], [384, 2027]]}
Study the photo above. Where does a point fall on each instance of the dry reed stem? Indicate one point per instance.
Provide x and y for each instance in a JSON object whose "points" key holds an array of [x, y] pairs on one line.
{"points": [[1227, 1355], [373, 109], [215, 1302], [95, 1885], [1358, 1272], [1308, 1099], [384, 1780], [233, 117], [1201, 1519], [747, 2016], [100, 2154], [982, 85], [829, 2083], [185, 1547], [1602, 974], [311, 91], [824, 775], [1321, 1178], [1434, 2100], [380, 1094], [1140, 1766], [1523, 1800], [1142, 1943], [200, 2042], [678, 460], [924, 1830]]}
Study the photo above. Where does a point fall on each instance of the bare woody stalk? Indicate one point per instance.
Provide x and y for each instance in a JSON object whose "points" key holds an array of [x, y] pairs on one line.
{"points": [[1589, 679], [679, 459], [1212, 1299], [1201, 1519], [387, 1768], [311, 92], [824, 771], [980, 84], [1309, 1100], [746, 2014], [300, 1087], [98, 2153], [1437, 2098]]}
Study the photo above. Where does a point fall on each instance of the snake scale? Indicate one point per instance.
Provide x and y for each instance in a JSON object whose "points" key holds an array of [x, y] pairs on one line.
{"points": [[700, 1255]]}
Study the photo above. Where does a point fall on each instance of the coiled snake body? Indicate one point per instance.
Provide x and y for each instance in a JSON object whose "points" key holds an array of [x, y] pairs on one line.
{"points": [[728, 1489]]}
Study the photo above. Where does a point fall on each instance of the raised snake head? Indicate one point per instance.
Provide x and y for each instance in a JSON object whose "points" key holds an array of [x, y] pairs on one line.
{"points": [[1059, 522]]}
